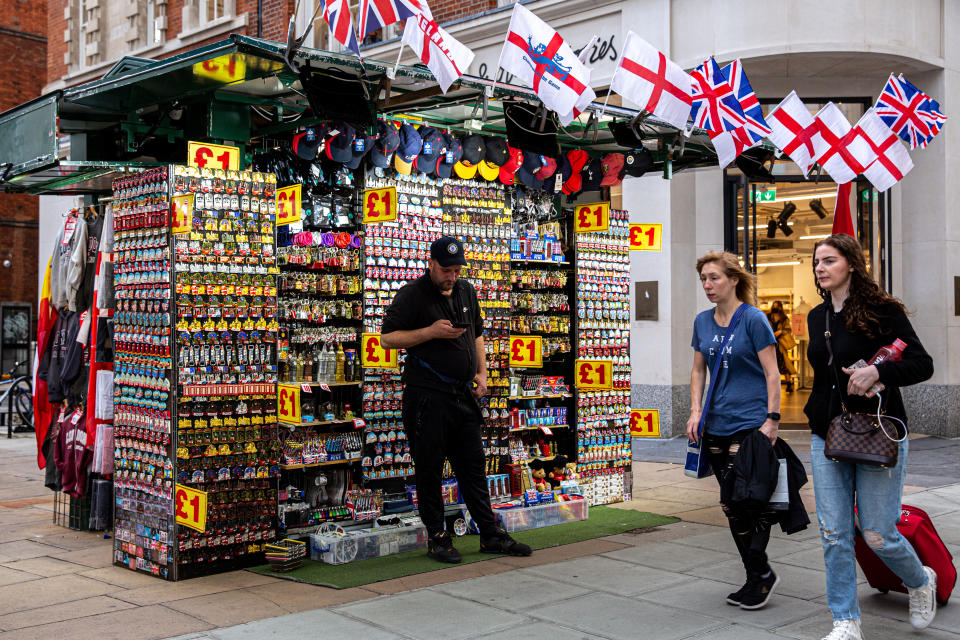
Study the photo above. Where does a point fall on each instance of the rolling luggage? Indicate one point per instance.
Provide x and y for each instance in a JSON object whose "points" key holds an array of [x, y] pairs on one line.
{"points": [[916, 526]]}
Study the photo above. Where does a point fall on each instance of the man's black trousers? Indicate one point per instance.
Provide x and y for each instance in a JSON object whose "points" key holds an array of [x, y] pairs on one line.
{"points": [[447, 426]]}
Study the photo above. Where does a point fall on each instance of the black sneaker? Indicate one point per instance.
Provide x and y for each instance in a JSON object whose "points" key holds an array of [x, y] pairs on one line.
{"points": [[501, 542], [735, 597], [441, 548], [758, 592]]}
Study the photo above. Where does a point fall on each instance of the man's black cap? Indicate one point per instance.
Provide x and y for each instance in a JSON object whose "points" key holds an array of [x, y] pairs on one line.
{"points": [[447, 251]]}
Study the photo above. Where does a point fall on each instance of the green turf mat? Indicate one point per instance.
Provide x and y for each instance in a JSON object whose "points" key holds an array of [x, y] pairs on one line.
{"points": [[603, 521]]}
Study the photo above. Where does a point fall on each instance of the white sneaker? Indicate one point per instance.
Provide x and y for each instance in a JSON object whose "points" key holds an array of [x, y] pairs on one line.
{"points": [[923, 601], [845, 630]]}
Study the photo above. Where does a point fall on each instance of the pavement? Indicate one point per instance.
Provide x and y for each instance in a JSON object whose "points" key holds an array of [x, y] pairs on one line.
{"points": [[664, 583]]}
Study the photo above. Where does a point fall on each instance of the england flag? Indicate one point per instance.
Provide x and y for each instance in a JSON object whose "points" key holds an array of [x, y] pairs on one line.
{"points": [[658, 85], [795, 132], [847, 153], [730, 144], [446, 57], [893, 160]]}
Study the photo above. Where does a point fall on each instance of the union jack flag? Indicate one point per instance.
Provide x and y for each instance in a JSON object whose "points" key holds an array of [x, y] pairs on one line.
{"points": [[899, 107], [756, 126], [929, 112], [376, 14], [337, 15], [715, 107]]}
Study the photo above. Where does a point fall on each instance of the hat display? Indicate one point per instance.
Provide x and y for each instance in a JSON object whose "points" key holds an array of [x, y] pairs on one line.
{"points": [[449, 158], [385, 144], [307, 143], [408, 150], [447, 251], [577, 160], [339, 146], [612, 165], [474, 150], [592, 175], [362, 143], [497, 153], [430, 150], [638, 162], [525, 174], [508, 172], [548, 167]]}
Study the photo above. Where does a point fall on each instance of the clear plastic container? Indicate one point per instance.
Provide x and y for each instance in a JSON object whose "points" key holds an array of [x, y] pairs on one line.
{"points": [[542, 515], [364, 544]]}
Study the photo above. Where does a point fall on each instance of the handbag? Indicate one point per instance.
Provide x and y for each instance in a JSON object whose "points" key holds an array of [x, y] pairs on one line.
{"points": [[860, 438], [697, 465], [787, 340]]}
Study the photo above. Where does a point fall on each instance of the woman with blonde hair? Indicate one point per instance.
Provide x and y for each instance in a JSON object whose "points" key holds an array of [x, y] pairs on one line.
{"points": [[746, 397]]}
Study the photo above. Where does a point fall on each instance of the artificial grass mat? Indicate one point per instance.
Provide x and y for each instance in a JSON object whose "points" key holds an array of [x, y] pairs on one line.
{"points": [[603, 521]]}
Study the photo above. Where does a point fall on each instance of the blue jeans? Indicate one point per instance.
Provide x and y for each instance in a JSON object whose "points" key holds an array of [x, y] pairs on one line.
{"points": [[878, 494]]}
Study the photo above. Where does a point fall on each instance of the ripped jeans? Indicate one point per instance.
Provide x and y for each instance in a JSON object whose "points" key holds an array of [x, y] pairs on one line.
{"points": [[751, 533], [877, 492]]}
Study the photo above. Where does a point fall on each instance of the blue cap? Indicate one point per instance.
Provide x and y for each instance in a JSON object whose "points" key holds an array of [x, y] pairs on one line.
{"points": [[431, 149], [409, 149], [447, 251], [385, 145]]}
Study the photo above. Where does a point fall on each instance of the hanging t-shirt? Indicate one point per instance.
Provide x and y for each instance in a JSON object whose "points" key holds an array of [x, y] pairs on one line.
{"points": [[740, 395]]}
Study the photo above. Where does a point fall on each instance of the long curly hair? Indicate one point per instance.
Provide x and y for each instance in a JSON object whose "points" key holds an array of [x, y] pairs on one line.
{"points": [[746, 289], [866, 296]]}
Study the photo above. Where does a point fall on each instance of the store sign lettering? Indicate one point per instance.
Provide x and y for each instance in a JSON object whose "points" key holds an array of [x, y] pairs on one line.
{"points": [[526, 351], [594, 374], [191, 507], [589, 218], [645, 423], [646, 237], [213, 156]]}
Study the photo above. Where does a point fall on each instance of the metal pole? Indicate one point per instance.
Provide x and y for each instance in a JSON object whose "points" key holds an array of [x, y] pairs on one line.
{"points": [[753, 191], [746, 220], [882, 240], [889, 242]]}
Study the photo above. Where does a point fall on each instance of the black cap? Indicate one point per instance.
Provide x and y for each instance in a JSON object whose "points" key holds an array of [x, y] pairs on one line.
{"points": [[340, 144], [496, 150], [638, 162], [362, 143], [447, 251], [387, 142], [531, 163], [431, 149], [592, 175]]}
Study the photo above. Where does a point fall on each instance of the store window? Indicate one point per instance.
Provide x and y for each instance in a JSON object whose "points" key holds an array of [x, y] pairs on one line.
{"points": [[211, 10], [89, 14], [156, 21], [198, 14]]}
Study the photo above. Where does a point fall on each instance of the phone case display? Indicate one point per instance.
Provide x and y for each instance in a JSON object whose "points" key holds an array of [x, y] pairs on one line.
{"points": [[396, 253], [603, 333]]}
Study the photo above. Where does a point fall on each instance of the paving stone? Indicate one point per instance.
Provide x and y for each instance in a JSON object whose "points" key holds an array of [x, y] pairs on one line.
{"points": [[45, 566], [671, 556], [513, 591], [798, 582], [604, 574], [60, 612], [538, 631], [811, 558], [430, 614], [119, 577], [299, 596], [143, 623], [685, 496], [24, 549], [94, 557], [874, 628], [321, 623], [737, 632], [44, 592], [13, 576], [228, 607], [935, 505]]}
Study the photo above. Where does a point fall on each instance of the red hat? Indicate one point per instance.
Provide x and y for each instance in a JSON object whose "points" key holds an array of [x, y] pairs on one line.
{"points": [[508, 172], [578, 159], [612, 165], [547, 170]]}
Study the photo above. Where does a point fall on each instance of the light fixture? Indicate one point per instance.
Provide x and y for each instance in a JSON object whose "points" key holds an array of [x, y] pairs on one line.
{"points": [[811, 196], [772, 228], [760, 226], [787, 263], [818, 208], [816, 237], [788, 210]]}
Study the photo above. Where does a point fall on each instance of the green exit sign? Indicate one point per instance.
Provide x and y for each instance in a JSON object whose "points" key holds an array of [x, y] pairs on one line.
{"points": [[766, 195], [865, 195]]}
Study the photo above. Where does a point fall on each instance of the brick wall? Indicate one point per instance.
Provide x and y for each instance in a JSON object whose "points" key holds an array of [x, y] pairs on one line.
{"points": [[56, 47], [448, 10]]}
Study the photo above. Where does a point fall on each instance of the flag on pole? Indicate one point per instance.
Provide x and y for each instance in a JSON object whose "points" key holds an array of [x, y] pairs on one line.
{"points": [[929, 112], [445, 56], [376, 14], [43, 411], [847, 154], [536, 54], [893, 160], [730, 144], [714, 106], [842, 220], [898, 107], [755, 126], [795, 132], [338, 17], [646, 77]]}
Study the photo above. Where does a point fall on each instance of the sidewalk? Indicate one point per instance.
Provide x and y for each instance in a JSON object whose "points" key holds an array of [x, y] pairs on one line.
{"points": [[666, 583]]}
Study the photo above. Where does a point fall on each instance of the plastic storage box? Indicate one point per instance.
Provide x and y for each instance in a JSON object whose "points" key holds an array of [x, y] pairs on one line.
{"points": [[366, 543], [542, 515]]}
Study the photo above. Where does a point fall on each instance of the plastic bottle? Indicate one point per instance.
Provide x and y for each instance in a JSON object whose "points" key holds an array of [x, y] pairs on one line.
{"points": [[890, 353]]}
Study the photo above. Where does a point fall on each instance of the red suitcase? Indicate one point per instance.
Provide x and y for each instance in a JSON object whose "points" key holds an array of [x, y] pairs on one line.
{"points": [[916, 526]]}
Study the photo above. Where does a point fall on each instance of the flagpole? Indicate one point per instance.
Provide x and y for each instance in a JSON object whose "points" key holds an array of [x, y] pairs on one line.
{"points": [[392, 73]]}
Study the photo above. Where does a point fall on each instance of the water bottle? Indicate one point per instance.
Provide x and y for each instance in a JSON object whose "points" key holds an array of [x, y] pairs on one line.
{"points": [[890, 353]]}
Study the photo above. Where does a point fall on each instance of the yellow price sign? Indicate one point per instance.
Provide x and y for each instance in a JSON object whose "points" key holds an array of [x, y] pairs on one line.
{"points": [[646, 237], [592, 217], [594, 374], [374, 356], [645, 423], [526, 351], [226, 69], [183, 213], [380, 205], [288, 204], [191, 507], [288, 403], [214, 156]]}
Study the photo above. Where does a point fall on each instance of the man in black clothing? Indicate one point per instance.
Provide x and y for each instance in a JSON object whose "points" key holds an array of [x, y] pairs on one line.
{"points": [[437, 319]]}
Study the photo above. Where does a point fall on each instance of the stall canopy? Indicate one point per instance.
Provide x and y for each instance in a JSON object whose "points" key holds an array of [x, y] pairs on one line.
{"points": [[243, 92]]}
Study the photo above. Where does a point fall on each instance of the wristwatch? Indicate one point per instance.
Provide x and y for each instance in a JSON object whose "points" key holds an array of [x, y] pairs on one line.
{"points": [[773, 416]]}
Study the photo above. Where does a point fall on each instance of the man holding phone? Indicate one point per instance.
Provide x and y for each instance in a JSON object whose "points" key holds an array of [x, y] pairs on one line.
{"points": [[437, 319]]}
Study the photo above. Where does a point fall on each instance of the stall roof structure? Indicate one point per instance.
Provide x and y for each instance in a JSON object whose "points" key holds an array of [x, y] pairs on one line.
{"points": [[246, 92]]}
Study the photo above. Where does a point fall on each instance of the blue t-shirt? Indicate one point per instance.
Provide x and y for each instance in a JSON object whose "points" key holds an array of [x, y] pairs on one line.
{"points": [[740, 396]]}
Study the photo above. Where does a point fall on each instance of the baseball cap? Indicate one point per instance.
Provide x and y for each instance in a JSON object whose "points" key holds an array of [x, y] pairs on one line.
{"points": [[612, 165], [362, 143], [508, 172], [638, 162], [452, 155], [447, 251], [473, 152], [386, 143], [430, 150], [339, 142], [573, 182], [408, 150], [548, 167], [525, 174], [307, 143], [495, 157], [592, 175]]}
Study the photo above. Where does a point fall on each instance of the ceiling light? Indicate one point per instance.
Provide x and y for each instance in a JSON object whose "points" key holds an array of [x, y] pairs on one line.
{"points": [[818, 208], [788, 210], [788, 263], [812, 196], [760, 226], [772, 228], [816, 237]]}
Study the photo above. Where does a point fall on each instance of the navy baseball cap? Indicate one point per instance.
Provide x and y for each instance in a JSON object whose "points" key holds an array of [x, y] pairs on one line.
{"points": [[385, 145], [307, 142], [430, 151], [447, 251], [450, 157], [362, 143], [340, 137], [592, 174], [525, 174], [408, 150]]}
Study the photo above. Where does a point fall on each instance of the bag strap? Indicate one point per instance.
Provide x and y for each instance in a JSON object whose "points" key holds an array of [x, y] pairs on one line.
{"points": [[734, 320], [833, 365]]}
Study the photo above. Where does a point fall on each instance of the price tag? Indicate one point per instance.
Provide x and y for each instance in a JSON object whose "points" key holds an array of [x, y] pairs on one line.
{"points": [[226, 69], [594, 374], [592, 217], [213, 156], [380, 205], [526, 351], [182, 213], [646, 237], [546, 430], [288, 403], [358, 423], [373, 356], [288, 205], [645, 423], [323, 386], [305, 387], [191, 507]]}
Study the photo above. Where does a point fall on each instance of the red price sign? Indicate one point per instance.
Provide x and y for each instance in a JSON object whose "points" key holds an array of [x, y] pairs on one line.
{"points": [[226, 69], [594, 374], [183, 213], [214, 156], [288, 205], [380, 205], [645, 423], [191, 507], [592, 217], [526, 351], [374, 356], [646, 237], [288, 403]]}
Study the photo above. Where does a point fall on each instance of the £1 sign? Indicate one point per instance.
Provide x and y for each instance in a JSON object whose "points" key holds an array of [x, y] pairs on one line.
{"points": [[594, 374], [592, 217], [374, 356]]}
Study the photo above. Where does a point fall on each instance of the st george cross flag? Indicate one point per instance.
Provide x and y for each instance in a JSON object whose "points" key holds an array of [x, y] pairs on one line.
{"points": [[376, 14], [847, 153], [794, 131], [730, 144], [756, 126], [446, 57], [536, 54], [893, 161], [658, 85], [338, 17], [898, 106], [714, 107]]}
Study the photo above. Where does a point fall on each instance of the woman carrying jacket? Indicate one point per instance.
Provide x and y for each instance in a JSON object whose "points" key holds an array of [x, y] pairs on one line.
{"points": [[862, 318]]}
